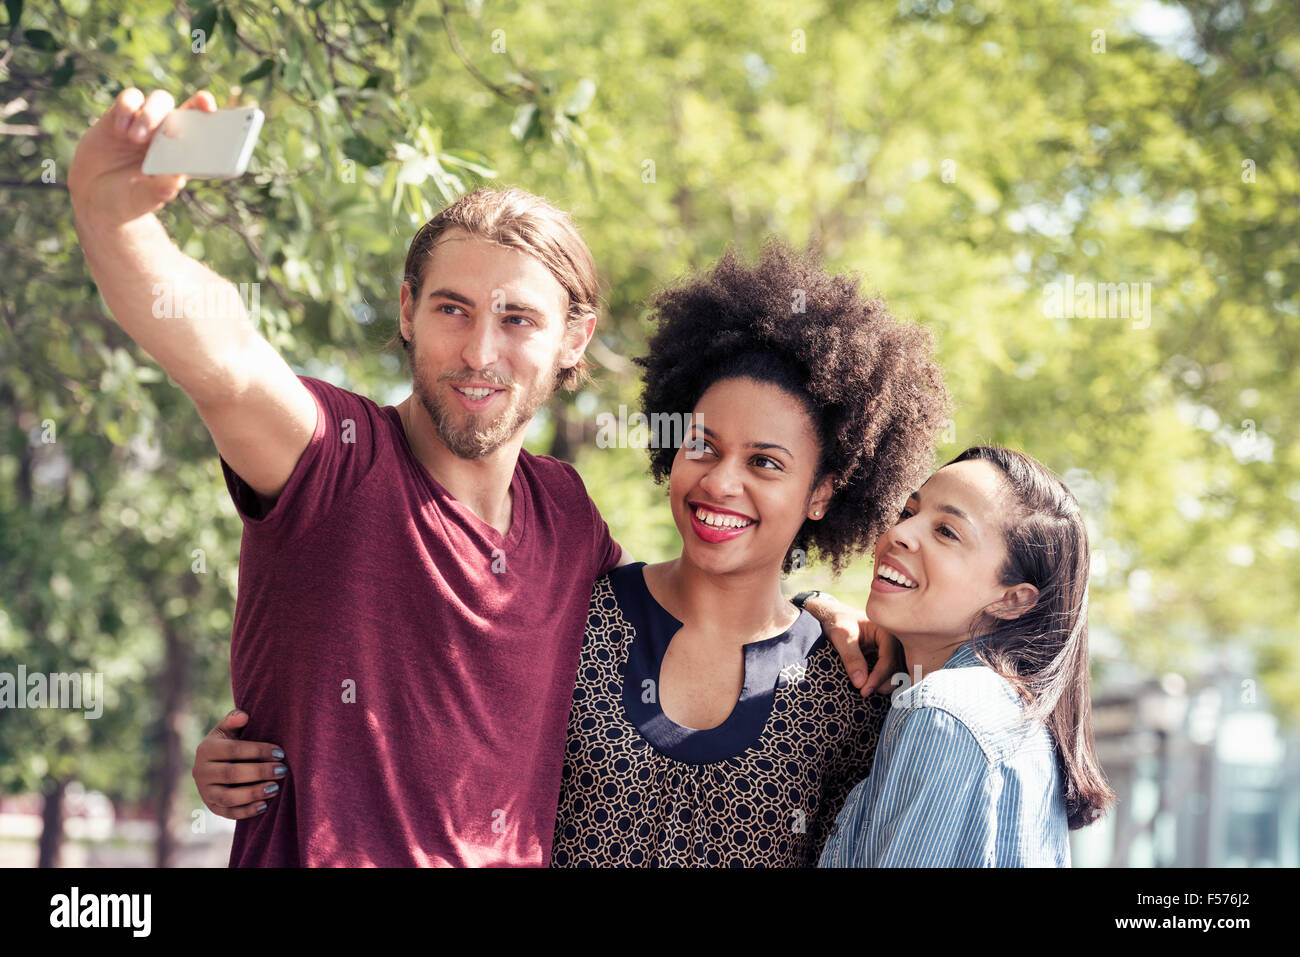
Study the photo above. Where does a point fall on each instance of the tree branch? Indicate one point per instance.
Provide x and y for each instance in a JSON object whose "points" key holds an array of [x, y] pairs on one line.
{"points": [[506, 94]]}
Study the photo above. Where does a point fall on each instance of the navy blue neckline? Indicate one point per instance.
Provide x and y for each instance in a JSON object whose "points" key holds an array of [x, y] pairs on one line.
{"points": [[655, 628]]}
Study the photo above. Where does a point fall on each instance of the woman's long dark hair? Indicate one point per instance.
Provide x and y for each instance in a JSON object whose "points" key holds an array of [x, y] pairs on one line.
{"points": [[1044, 652]]}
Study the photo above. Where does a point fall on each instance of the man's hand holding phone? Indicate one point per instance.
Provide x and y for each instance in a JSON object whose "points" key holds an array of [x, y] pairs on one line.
{"points": [[260, 415], [105, 181]]}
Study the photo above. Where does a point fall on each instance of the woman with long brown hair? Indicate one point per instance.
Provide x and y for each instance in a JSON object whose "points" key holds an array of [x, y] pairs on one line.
{"points": [[986, 758]]}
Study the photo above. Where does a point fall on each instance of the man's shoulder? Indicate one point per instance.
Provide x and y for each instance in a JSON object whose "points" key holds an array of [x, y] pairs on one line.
{"points": [[340, 403], [556, 476], [542, 463], [328, 392]]}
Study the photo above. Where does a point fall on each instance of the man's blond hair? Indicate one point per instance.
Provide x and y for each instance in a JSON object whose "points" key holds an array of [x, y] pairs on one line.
{"points": [[517, 219]]}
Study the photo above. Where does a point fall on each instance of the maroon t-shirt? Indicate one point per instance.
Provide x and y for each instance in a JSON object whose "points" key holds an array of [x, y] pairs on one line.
{"points": [[416, 666]]}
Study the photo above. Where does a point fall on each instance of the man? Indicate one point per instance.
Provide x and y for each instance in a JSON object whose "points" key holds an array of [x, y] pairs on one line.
{"points": [[413, 584]]}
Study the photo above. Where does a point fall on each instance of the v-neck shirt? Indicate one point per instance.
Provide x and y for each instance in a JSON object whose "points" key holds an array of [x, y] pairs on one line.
{"points": [[415, 664]]}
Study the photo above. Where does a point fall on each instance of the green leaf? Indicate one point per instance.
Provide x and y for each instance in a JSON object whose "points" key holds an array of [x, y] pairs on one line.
{"points": [[15, 8], [391, 183], [581, 98], [527, 123], [413, 171], [63, 72], [292, 74], [259, 71], [313, 84], [474, 162], [40, 40], [228, 27], [205, 19], [363, 151]]}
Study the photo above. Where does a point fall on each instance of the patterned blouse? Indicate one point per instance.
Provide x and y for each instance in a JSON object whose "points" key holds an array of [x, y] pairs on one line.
{"points": [[760, 790]]}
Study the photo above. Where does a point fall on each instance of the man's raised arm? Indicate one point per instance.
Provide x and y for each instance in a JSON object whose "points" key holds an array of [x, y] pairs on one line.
{"points": [[260, 415]]}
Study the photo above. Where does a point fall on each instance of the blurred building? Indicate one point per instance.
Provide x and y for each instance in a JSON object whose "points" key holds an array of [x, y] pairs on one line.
{"points": [[1205, 776]]}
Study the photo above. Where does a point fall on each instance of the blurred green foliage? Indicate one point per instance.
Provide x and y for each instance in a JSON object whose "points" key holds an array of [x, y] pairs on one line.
{"points": [[961, 156]]}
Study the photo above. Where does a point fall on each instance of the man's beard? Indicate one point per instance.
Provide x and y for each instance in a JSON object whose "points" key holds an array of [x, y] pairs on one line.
{"points": [[478, 436]]}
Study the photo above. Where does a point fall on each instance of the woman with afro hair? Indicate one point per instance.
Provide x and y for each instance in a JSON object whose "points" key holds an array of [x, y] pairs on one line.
{"points": [[712, 722]]}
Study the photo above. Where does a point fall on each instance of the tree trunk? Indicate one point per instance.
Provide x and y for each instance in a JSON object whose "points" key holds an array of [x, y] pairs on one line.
{"points": [[176, 699], [562, 442], [51, 843]]}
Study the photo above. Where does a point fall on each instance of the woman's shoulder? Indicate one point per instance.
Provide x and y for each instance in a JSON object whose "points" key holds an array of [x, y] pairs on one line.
{"points": [[823, 671], [620, 584], [980, 700], [620, 600]]}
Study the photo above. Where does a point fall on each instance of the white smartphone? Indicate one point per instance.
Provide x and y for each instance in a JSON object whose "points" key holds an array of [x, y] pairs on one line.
{"points": [[207, 145]]}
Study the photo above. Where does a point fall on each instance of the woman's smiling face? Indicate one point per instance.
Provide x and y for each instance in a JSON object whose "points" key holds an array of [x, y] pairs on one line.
{"points": [[944, 556], [740, 483]]}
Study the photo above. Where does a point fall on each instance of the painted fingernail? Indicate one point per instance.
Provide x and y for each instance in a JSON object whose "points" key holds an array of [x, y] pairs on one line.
{"points": [[277, 754], [233, 713], [271, 789], [138, 131], [261, 807], [281, 770], [857, 677]]}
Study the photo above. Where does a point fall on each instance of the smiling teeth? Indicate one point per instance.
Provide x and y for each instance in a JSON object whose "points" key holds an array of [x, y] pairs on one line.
{"points": [[721, 521], [896, 577], [475, 393]]}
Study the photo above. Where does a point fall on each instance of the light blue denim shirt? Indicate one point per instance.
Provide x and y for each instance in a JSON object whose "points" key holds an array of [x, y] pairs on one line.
{"points": [[958, 781]]}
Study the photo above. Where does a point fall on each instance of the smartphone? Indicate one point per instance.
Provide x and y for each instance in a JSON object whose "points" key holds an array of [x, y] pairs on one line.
{"points": [[206, 145]]}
